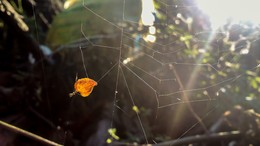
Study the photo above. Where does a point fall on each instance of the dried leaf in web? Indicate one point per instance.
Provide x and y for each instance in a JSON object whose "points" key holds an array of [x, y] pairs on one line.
{"points": [[84, 86]]}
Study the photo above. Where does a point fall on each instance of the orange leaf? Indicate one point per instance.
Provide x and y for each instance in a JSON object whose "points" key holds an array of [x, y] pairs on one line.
{"points": [[84, 86]]}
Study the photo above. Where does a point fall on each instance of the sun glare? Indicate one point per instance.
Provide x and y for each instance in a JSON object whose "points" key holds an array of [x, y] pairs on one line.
{"points": [[219, 11], [147, 16]]}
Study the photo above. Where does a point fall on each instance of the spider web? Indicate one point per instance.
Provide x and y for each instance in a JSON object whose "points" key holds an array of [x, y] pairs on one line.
{"points": [[145, 76]]}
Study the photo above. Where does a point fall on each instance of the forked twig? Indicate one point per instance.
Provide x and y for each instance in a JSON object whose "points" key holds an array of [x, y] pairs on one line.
{"points": [[28, 134]]}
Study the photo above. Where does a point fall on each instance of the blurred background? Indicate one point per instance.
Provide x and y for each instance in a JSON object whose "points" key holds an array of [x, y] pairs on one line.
{"points": [[167, 71]]}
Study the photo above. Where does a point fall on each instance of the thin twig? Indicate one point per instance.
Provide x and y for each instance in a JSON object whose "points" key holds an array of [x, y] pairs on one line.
{"points": [[42, 117], [233, 135], [28, 134]]}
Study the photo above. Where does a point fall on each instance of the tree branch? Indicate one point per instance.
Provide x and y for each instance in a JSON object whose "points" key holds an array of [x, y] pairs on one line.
{"points": [[202, 138], [7, 9], [20, 29], [233, 135]]}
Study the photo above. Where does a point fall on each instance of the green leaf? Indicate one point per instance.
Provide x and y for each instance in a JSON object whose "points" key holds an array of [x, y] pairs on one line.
{"points": [[112, 132], [254, 84], [257, 79], [108, 141]]}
